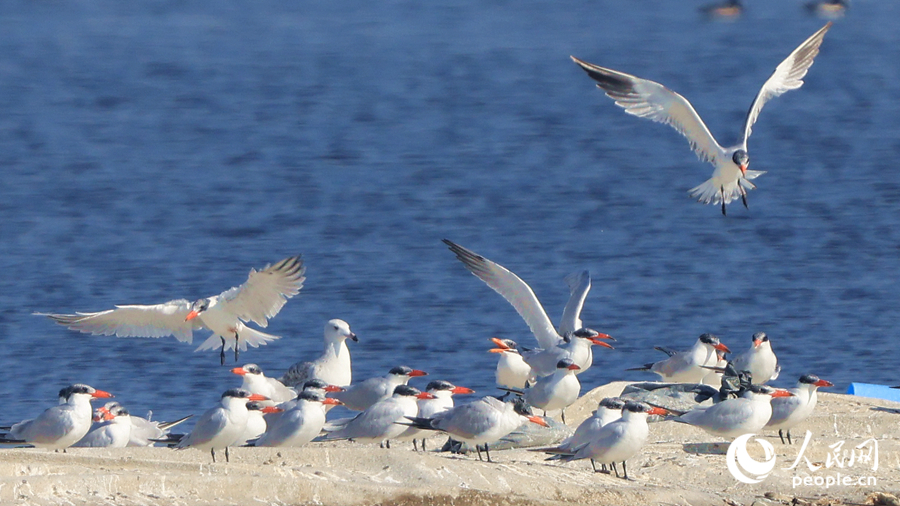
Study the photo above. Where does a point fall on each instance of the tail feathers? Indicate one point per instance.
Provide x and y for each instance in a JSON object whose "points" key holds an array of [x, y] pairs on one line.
{"points": [[713, 192], [246, 337], [512, 390], [645, 367], [418, 423], [169, 425], [9, 440]]}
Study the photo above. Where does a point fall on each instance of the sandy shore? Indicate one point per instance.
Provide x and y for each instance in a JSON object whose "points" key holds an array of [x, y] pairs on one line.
{"points": [[675, 468]]}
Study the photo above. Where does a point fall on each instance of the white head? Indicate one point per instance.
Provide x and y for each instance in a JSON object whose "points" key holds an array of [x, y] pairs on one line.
{"points": [[339, 330]]}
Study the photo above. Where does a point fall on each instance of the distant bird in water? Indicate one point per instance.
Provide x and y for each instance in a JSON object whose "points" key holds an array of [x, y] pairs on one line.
{"points": [[731, 178], [724, 11], [260, 298], [828, 9]]}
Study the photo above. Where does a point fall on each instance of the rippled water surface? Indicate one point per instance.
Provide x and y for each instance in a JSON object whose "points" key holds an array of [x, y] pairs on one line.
{"points": [[160, 150]]}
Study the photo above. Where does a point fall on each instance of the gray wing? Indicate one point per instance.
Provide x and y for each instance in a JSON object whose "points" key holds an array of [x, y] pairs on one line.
{"points": [[788, 76], [265, 292], [157, 320], [651, 100], [513, 289], [208, 426], [579, 286]]}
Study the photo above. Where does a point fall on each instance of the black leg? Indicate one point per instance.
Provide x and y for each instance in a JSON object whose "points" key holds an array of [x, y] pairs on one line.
{"points": [[593, 465], [381, 444], [423, 444], [387, 443], [227, 459], [487, 451], [213, 452], [781, 435], [722, 188], [624, 470], [615, 469], [237, 350], [478, 449], [789, 436], [563, 415], [415, 445], [222, 354]]}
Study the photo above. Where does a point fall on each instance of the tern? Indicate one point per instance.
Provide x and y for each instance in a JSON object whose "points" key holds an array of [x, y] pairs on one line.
{"points": [[333, 366], [619, 440], [60, 426], [557, 391], [734, 417], [687, 366], [113, 431], [360, 396], [609, 410], [255, 381], [260, 298], [221, 426], [651, 100], [759, 360], [256, 422], [299, 424], [789, 411], [512, 371], [443, 392], [379, 422], [526, 303], [481, 422], [143, 432]]}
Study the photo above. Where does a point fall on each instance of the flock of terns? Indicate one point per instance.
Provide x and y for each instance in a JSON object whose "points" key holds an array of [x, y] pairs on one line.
{"points": [[291, 411]]}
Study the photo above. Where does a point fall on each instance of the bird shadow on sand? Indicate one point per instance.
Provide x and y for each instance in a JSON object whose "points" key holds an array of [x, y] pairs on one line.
{"points": [[706, 448]]}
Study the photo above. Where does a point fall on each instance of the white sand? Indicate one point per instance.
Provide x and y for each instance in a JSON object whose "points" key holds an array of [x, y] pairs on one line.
{"points": [[348, 473]]}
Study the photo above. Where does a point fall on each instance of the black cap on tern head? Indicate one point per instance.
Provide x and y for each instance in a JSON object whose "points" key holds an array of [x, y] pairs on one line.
{"points": [[521, 407], [309, 395], [709, 339], [439, 385], [315, 383], [760, 336], [809, 379], [406, 390], [401, 370], [613, 403], [238, 393]]}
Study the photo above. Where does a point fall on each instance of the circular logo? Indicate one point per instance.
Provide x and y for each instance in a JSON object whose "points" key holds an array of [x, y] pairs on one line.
{"points": [[740, 464]]}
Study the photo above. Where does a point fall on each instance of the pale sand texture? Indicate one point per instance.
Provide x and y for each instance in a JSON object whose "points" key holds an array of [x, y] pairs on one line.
{"points": [[348, 473]]}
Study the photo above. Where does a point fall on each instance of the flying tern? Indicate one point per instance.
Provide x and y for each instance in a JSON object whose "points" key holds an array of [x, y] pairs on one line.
{"points": [[651, 100], [260, 298]]}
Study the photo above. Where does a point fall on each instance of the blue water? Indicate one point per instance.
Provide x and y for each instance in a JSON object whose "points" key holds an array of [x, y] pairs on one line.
{"points": [[160, 150]]}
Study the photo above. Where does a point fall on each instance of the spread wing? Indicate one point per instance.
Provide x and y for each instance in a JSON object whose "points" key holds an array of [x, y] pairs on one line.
{"points": [[265, 292], [513, 289], [157, 320], [651, 100], [788, 76], [579, 286]]}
